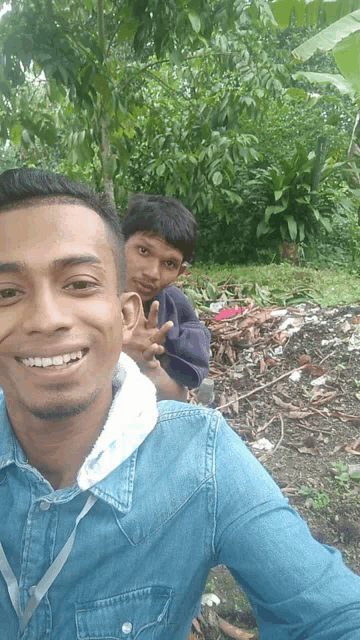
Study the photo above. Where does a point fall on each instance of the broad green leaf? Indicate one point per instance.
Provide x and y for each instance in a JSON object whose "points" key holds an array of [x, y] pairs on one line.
{"points": [[211, 291], [301, 231], [335, 79], [292, 226], [195, 21], [262, 229], [325, 223], [328, 38], [217, 178], [310, 12], [160, 170], [273, 209], [15, 133], [278, 194], [347, 57]]}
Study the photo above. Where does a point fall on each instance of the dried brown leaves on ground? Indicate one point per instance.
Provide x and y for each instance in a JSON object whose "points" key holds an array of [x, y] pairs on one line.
{"points": [[288, 382]]}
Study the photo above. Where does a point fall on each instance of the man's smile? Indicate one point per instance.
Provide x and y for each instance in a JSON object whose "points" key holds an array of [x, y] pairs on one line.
{"points": [[53, 361]]}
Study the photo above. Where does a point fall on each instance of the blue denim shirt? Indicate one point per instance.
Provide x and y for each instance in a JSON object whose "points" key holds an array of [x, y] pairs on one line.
{"points": [[190, 497]]}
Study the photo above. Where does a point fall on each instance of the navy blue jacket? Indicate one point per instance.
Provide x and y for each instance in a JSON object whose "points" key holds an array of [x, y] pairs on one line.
{"points": [[187, 346]]}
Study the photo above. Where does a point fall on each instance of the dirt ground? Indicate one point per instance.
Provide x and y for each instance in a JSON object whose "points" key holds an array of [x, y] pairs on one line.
{"points": [[289, 380]]}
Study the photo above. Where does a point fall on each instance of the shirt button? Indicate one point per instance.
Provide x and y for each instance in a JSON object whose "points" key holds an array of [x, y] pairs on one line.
{"points": [[127, 627], [32, 589], [44, 506]]}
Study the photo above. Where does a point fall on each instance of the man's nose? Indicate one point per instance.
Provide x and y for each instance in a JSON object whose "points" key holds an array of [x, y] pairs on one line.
{"points": [[152, 270], [47, 313]]}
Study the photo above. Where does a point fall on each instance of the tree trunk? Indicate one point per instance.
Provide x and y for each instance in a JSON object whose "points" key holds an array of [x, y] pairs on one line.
{"points": [[105, 149]]}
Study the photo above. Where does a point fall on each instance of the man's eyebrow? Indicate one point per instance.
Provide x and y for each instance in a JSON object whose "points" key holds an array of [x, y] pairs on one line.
{"points": [[73, 261], [59, 263], [12, 267]]}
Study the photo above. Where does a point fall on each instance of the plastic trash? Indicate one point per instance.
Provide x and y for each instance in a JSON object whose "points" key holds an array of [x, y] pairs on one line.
{"points": [[205, 393]]}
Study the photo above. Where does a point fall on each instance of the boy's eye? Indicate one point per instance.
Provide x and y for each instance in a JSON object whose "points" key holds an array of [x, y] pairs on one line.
{"points": [[170, 263], [143, 250]]}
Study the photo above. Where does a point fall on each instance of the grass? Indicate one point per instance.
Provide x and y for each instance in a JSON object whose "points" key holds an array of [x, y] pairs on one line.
{"points": [[283, 284]]}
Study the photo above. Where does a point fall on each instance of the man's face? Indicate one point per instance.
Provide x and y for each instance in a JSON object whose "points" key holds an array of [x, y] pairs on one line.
{"points": [[61, 318], [151, 264]]}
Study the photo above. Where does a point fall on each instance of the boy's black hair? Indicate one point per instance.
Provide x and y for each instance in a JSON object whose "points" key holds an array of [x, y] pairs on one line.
{"points": [[165, 217], [19, 187]]}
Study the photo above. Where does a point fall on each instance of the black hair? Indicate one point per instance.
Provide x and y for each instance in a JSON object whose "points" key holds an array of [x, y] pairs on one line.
{"points": [[21, 186], [165, 217]]}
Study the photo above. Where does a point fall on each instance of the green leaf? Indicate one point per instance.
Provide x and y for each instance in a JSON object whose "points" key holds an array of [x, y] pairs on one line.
{"points": [[262, 229], [301, 231], [328, 38], [160, 170], [273, 209], [292, 226], [211, 291], [335, 79], [15, 133], [325, 223], [278, 194], [346, 55], [195, 21], [217, 178]]}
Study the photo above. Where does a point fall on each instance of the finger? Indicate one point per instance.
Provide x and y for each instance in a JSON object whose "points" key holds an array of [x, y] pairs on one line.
{"points": [[153, 351], [152, 321], [160, 335]]}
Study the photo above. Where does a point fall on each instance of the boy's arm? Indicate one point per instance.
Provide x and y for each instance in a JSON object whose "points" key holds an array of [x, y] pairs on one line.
{"points": [[144, 345]]}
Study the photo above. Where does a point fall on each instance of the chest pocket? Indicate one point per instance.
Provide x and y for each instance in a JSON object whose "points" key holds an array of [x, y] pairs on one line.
{"points": [[139, 614]]}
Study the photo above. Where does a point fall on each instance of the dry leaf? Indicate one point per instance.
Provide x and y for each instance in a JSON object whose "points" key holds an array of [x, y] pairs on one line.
{"points": [[270, 362], [320, 397], [285, 405], [310, 450], [355, 320], [298, 415], [354, 447], [346, 326], [233, 632], [196, 625], [304, 359], [315, 371]]}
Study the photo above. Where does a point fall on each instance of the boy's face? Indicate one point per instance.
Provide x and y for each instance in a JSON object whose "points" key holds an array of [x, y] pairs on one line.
{"points": [[152, 264]]}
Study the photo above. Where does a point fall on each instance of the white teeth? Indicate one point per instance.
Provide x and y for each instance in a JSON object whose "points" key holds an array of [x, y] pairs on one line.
{"points": [[55, 361]]}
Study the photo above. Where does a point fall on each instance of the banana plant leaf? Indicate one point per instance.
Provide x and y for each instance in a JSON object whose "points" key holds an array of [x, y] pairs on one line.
{"points": [[329, 38], [311, 12], [336, 79]]}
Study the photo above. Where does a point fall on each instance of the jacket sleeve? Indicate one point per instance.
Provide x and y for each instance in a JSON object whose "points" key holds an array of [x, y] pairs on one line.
{"points": [[188, 342], [298, 587]]}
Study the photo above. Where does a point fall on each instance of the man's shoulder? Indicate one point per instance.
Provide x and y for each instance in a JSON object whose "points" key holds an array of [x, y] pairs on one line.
{"points": [[181, 421]]}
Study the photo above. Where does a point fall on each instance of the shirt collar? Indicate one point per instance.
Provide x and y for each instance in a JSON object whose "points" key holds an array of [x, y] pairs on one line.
{"points": [[108, 471], [8, 444]]}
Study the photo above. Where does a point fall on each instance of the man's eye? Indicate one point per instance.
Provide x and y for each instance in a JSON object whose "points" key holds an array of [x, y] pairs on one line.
{"points": [[81, 285], [5, 294], [170, 263], [143, 250]]}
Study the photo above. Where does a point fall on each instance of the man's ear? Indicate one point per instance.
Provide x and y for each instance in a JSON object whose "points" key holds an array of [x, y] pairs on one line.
{"points": [[131, 308]]}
